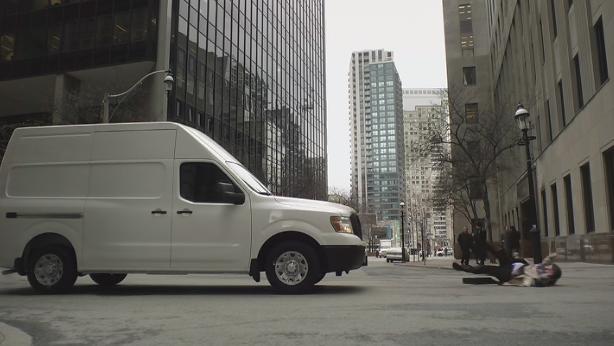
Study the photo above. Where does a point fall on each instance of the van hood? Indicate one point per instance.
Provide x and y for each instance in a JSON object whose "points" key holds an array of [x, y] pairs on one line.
{"points": [[310, 204]]}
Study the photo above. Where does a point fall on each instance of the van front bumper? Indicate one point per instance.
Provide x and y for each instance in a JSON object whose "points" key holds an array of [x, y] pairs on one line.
{"points": [[344, 257]]}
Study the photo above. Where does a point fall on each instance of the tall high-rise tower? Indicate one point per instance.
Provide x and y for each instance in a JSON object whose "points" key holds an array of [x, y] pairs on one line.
{"points": [[376, 123]]}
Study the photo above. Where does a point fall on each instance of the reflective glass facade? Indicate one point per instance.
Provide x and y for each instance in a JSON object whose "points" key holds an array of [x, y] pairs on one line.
{"points": [[250, 74], [384, 128], [40, 37]]}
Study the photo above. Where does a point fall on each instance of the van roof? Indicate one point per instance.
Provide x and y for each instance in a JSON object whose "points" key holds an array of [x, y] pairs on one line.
{"points": [[89, 128], [184, 150]]}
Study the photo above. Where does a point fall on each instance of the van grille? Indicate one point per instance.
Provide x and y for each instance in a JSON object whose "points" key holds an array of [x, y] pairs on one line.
{"points": [[356, 227]]}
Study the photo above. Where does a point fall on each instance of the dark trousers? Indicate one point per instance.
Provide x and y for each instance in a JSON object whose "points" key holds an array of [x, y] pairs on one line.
{"points": [[503, 272], [466, 255]]}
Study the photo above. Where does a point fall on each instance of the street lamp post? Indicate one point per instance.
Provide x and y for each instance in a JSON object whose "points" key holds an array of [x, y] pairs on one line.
{"points": [[402, 205], [168, 85], [522, 119], [422, 236]]}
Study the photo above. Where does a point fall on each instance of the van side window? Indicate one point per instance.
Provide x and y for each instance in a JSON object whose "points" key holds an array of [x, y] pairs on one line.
{"points": [[198, 182]]}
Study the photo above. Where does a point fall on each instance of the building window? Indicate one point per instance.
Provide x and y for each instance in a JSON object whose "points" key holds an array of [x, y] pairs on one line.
{"points": [[469, 77], [555, 208], [587, 196], [121, 28], [7, 47], [599, 46], [541, 35], [549, 120], [553, 14], [561, 100], [578, 82], [466, 29], [471, 112], [545, 212], [608, 160], [571, 229]]}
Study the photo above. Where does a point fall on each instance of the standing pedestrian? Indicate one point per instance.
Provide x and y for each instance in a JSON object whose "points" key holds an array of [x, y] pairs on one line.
{"points": [[514, 240], [479, 243], [507, 240], [465, 242]]}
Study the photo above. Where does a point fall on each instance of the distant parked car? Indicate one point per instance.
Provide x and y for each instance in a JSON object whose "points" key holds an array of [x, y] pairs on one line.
{"points": [[440, 253], [383, 252], [394, 254]]}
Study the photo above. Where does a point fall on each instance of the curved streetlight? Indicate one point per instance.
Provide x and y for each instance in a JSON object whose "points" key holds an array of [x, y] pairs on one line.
{"points": [[168, 86], [522, 119]]}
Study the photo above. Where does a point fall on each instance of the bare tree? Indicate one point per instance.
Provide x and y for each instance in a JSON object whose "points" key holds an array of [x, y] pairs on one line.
{"points": [[342, 197], [476, 143]]}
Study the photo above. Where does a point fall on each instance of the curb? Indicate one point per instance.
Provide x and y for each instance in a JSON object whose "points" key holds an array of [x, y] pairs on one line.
{"points": [[11, 336], [427, 266]]}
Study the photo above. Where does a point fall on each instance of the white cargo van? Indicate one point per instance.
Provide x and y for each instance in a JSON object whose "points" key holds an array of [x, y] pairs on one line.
{"points": [[112, 199]]}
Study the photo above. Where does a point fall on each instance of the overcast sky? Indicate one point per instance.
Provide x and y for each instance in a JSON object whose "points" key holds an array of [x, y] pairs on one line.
{"points": [[412, 29]]}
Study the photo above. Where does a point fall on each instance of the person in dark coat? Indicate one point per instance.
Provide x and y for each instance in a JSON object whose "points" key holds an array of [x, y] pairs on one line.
{"points": [[465, 241], [514, 240], [479, 243], [507, 240]]}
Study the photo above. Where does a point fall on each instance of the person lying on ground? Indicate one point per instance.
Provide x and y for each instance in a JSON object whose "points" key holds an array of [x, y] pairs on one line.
{"points": [[517, 272]]}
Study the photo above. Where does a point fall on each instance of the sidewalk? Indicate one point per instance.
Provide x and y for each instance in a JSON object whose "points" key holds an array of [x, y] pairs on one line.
{"points": [[11, 336], [431, 262], [446, 263]]}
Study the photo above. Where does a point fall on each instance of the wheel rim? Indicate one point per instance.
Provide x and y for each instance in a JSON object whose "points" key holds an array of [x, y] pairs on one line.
{"points": [[48, 270], [291, 268]]}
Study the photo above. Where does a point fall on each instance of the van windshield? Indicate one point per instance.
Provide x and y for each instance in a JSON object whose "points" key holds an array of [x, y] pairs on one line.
{"points": [[249, 178]]}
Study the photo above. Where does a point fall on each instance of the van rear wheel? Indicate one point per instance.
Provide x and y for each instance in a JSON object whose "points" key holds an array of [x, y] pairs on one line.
{"points": [[52, 270], [107, 280], [293, 267]]}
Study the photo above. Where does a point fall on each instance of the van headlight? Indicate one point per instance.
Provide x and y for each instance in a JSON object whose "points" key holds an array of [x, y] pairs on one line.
{"points": [[341, 224]]}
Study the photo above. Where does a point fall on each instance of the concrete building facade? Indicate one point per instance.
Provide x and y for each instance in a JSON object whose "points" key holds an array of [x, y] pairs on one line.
{"points": [[376, 126], [424, 108], [555, 57], [467, 41], [250, 74]]}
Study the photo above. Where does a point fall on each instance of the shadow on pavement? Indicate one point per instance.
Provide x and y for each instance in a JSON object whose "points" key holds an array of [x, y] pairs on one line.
{"points": [[137, 290]]}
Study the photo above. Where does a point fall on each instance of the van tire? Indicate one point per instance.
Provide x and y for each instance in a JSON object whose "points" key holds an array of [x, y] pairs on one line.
{"points": [[298, 257], [106, 279], [62, 264]]}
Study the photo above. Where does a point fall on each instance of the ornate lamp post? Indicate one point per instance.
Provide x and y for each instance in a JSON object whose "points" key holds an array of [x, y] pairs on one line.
{"points": [[522, 119]]}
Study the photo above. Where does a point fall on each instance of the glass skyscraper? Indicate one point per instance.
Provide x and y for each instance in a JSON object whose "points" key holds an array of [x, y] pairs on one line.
{"points": [[377, 134], [248, 73]]}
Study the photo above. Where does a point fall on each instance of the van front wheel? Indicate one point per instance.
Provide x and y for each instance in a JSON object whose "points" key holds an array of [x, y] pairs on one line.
{"points": [[52, 270], [293, 267], [107, 280]]}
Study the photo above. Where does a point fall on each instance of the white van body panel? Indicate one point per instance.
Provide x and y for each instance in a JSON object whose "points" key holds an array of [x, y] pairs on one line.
{"points": [[131, 176], [273, 215], [113, 191], [214, 237], [45, 205]]}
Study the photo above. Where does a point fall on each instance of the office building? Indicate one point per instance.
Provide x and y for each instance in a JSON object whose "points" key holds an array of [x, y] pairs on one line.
{"points": [[554, 57], [250, 74], [424, 111]]}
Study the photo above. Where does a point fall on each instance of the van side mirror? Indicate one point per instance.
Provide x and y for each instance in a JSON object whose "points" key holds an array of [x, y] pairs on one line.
{"points": [[227, 191]]}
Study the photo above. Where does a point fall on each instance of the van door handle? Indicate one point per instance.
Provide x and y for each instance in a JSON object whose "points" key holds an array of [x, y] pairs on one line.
{"points": [[159, 211], [184, 211]]}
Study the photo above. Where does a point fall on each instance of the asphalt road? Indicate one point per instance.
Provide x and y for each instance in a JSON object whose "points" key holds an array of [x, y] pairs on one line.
{"points": [[383, 304]]}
